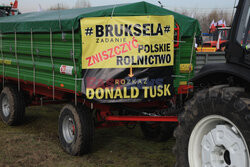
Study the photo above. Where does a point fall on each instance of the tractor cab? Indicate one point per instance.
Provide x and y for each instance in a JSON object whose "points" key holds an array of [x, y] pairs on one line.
{"points": [[238, 50]]}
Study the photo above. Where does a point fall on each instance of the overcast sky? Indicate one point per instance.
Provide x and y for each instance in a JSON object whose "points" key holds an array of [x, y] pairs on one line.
{"points": [[205, 5]]}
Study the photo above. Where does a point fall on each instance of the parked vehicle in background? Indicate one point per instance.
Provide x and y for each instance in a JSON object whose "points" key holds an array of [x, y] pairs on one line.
{"points": [[215, 40], [9, 10]]}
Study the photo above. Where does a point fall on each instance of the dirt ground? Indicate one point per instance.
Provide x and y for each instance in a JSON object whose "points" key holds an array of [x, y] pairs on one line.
{"points": [[35, 143]]}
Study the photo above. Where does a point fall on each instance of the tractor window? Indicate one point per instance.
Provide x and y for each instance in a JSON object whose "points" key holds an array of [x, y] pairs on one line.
{"points": [[242, 34], [248, 37], [247, 42], [247, 28]]}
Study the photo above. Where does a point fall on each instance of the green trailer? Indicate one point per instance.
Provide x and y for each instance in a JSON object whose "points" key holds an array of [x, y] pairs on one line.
{"points": [[119, 63]]}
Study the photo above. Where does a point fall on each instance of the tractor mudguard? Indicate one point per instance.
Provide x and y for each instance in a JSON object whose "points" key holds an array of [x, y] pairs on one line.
{"points": [[221, 72]]}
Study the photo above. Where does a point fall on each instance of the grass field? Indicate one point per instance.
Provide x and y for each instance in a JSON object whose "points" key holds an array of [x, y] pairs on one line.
{"points": [[35, 143]]}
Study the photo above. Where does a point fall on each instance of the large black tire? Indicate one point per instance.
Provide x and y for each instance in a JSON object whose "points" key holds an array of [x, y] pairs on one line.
{"points": [[12, 106], [158, 131], [205, 113], [81, 120]]}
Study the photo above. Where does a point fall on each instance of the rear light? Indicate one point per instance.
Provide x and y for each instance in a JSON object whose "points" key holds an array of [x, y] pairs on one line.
{"points": [[186, 68]]}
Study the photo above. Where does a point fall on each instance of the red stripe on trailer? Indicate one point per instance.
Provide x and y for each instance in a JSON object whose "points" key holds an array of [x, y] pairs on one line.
{"points": [[47, 88], [143, 118]]}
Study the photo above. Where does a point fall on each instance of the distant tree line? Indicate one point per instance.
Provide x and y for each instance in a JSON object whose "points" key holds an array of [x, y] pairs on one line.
{"points": [[78, 4], [205, 19]]}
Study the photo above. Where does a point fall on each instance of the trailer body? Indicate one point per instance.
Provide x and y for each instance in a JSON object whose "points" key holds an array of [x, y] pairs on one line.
{"points": [[46, 48]]}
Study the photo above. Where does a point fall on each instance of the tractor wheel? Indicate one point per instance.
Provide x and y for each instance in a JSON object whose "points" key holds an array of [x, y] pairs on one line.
{"points": [[158, 131], [12, 106], [76, 130], [214, 129]]}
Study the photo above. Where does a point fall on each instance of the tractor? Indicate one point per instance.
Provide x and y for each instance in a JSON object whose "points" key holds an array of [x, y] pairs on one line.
{"points": [[214, 127]]}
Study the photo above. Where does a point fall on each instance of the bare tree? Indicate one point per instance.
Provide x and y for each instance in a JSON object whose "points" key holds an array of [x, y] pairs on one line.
{"points": [[205, 19], [58, 7], [82, 4]]}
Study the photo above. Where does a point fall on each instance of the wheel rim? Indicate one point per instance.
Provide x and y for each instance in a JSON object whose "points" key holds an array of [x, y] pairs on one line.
{"points": [[68, 128], [216, 142], [5, 106]]}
